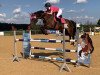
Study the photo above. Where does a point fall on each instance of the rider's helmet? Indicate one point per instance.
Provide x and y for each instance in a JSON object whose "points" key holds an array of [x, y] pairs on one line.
{"points": [[47, 5]]}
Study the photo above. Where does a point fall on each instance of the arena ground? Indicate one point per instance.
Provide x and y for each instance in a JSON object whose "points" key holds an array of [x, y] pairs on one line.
{"points": [[41, 67]]}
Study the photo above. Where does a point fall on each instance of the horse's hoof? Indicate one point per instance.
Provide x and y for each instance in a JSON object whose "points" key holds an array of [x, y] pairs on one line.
{"points": [[46, 34]]}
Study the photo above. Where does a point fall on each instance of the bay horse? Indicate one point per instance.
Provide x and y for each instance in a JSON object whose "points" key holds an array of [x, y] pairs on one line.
{"points": [[86, 44], [49, 23], [85, 49]]}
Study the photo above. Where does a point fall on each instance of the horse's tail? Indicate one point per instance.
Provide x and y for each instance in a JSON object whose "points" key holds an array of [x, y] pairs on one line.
{"points": [[92, 47]]}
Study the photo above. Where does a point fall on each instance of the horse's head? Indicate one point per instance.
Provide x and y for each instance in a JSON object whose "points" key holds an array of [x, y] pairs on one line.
{"points": [[36, 15], [88, 42]]}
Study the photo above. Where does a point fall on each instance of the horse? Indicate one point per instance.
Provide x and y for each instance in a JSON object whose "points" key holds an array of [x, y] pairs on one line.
{"points": [[85, 49], [87, 44], [50, 23]]}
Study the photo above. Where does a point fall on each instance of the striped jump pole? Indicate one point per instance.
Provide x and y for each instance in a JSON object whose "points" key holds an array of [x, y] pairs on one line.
{"points": [[53, 49], [51, 40], [45, 40], [56, 59]]}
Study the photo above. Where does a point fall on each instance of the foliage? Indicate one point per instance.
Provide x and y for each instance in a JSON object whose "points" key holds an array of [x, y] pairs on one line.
{"points": [[36, 28], [86, 28], [8, 26], [98, 22]]}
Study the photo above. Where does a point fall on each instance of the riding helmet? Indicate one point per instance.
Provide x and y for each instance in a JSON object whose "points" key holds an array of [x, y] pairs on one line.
{"points": [[47, 4]]}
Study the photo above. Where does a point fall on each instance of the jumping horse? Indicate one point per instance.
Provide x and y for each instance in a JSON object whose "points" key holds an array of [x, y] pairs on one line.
{"points": [[50, 23]]}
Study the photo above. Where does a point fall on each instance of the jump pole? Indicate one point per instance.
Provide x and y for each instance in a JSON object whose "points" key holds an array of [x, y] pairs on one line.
{"points": [[15, 58]]}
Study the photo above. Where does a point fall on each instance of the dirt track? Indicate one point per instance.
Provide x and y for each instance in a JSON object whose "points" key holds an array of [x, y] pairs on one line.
{"points": [[40, 67]]}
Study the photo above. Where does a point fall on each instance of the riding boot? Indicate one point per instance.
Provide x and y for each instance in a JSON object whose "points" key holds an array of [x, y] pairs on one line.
{"points": [[59, 20]]}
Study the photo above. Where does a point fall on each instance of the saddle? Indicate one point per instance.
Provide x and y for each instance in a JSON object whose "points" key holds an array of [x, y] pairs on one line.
{"points": [[57, 19], [61, 20]]}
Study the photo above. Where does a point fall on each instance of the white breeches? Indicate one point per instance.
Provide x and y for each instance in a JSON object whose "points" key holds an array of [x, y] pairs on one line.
{"points": [[59, 13]]}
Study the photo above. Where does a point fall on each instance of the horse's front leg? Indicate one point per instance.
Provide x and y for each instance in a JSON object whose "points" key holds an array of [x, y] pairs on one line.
{"points": [[72, 38]]}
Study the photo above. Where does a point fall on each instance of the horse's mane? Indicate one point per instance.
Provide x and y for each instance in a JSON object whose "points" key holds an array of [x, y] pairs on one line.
{"points": [[88, 37], [85, 35], [39, 12]]}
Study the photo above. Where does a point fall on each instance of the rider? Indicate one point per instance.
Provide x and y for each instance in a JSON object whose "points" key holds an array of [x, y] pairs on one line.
{"points": [[53, 9]]}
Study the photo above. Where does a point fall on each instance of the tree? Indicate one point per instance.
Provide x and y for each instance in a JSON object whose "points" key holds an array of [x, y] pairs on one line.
{"points": [[98, 22]]}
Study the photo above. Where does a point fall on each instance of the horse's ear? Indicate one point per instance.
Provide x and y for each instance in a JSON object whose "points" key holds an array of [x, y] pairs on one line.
{"points": [[30, 14]]}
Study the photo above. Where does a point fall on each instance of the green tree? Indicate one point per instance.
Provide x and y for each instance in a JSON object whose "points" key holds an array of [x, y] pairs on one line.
{"points": [[98, 22]]}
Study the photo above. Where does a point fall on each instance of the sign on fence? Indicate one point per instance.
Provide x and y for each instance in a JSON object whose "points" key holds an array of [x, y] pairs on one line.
{"points": [[2, 33]]}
